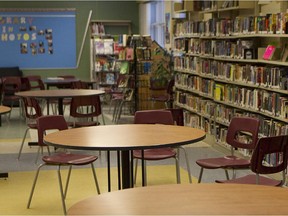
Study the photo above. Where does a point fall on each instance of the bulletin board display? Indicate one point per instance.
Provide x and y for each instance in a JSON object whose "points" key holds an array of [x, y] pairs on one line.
{"points": [[38, 38]]}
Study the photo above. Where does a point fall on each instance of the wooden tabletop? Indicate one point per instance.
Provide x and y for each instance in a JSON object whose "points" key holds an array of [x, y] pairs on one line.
{"points": [[4, 109], [124, 137], [59, 93], [188, 199]]}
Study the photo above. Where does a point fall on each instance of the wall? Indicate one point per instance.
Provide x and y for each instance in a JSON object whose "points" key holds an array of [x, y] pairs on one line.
{"points": [[102, 10]]}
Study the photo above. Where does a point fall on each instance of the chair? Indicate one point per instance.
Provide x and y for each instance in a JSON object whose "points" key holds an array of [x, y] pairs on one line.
{"points": [[10, 86], [127, 97], [32, 111], [273, 148], [117, 93], [52, 122], [66, 101], [178, 117], [35, 82], [237, 127], [85, 108], [155, 117], [166, 98]]}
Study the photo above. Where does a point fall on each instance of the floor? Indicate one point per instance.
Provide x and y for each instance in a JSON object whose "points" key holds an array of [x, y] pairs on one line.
{"points": [[12, 131]]}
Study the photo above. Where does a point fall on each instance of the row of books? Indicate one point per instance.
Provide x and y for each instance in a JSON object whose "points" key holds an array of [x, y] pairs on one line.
{"points": [[144, 67], [106, 65], [257, 100], [262, 76], [239, 49], [222, 114], [272, 23]]}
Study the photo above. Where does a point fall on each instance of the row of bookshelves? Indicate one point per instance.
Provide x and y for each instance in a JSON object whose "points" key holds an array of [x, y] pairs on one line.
{"points": [[272, 23], [270, 78]]}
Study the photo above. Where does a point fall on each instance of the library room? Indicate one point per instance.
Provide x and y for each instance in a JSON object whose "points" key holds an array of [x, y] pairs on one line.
{"points": [[143, 107]]}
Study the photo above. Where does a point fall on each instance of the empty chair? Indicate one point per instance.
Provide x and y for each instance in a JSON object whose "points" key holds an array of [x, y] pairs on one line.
{"points": [[126, 98], [35, 82], [57, 122], [32, 111], [268, 148], [167, 97], [10, 86], [238, 126], [155, 117], [84, 108], [178, 117]]}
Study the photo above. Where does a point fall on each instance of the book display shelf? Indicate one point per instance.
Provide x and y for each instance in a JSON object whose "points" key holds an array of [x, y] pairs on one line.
{"points": [[230, 59]]}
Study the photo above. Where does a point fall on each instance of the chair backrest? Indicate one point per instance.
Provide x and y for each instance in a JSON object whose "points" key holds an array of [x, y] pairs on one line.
{"points": [[32, 108], [36, 82], [92, 103], [153, 117], [79, 85], [49, 122], [273, 149], [241, 126], [11, 84], [178, 115]]}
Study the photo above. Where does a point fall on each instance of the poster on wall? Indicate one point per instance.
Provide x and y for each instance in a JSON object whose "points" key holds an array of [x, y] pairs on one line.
{"points": [[38, 38]]}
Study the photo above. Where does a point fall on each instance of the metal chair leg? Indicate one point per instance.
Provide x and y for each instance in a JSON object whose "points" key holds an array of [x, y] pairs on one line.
{"points": [[61, 190], [227, 175], [34, 184], [22, 144], [187, 164], [95, 178], [200, 175], [135, 173], [177, 170], [67, 181]]}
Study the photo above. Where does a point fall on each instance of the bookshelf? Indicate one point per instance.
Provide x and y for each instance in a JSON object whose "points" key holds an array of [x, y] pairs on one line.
{"points": [[219, 67]]}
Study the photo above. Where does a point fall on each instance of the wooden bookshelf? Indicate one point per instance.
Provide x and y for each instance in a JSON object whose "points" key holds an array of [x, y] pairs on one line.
{"points": [[220, 71]]}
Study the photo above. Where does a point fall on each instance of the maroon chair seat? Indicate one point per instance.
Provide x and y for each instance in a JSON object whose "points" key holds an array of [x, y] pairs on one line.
{"points": [[155, 154], [265, 148], [238, 126]]}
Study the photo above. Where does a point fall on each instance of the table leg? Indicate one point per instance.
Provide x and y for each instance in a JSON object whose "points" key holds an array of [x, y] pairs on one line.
{"points": [[108, 171], [143, 169], [126, 170], [60, 106], [0, 120]]}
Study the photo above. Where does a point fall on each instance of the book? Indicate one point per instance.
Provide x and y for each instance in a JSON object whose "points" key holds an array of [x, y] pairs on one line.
{"points": [[268, 53], [124, 69], [284, 53]]}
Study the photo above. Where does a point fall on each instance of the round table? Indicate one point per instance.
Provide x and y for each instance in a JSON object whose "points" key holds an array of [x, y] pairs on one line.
{"points": [[59, 94], [188, 199], [4, 110], [125, 138]]}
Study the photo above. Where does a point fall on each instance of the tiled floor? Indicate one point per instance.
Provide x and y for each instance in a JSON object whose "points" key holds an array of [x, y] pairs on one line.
{"points": [[12, 132]]}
